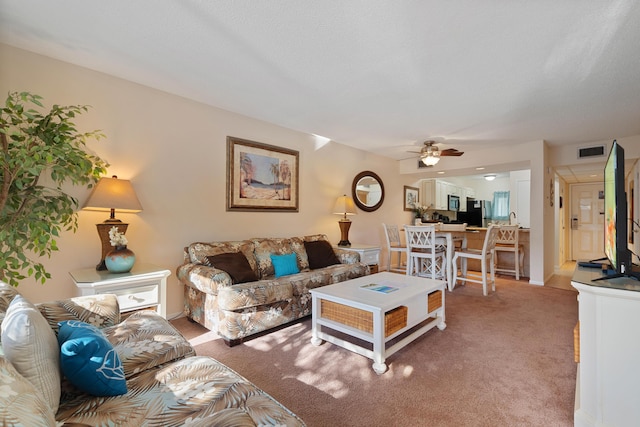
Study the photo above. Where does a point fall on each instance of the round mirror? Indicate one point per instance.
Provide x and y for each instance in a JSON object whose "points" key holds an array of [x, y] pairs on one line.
{"points": [[367, 191]]}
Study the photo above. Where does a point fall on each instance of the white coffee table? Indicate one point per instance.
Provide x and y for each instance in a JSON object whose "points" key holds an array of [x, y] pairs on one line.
{"points": [[377, 317]]}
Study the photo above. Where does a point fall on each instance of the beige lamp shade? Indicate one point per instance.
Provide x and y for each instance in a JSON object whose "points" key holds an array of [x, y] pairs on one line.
{"points": [[344, 206], [113, 193]]}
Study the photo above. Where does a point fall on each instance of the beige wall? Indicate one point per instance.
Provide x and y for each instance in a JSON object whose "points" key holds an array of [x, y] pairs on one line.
{"points": [[174, 152]]}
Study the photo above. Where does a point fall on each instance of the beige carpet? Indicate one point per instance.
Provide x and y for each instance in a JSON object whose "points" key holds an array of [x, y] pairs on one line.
{"points": [[503, 360]]}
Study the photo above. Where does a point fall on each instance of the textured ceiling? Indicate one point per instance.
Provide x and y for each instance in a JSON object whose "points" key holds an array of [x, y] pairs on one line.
{"points": [[382, 76]]}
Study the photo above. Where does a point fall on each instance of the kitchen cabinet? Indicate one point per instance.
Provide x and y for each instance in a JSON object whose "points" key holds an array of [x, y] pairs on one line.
{"points": [[435, 194], [442, 191], [465, 193]]}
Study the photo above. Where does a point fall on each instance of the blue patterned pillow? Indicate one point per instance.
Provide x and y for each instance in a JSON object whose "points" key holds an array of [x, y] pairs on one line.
{"points": [[89, 361], [285, 265]]}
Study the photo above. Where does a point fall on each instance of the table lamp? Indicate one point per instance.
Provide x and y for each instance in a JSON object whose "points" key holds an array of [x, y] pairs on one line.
{"points": [[108, 195], [344, 206]]}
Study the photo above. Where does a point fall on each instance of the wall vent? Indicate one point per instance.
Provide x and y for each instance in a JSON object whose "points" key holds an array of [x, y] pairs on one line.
{"points": [[595, 151]]}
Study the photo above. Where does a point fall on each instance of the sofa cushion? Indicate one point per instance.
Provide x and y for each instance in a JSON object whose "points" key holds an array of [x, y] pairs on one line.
{"points": [[265, 247], [20, 402], [253, 294], [297, 247], [146, 340], [235, 264], [183, 393], [285, 265], [97, 310], [31, 346], [320, 254], [198, 252], [89, 361]]}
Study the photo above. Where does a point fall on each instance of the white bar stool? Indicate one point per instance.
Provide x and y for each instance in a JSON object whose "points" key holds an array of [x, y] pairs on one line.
{"points": [[507, 241]]}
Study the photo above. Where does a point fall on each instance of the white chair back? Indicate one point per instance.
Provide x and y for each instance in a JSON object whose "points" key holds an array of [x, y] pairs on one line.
{"points": [[392, 234], [394, 245], [420, 236], [508, 235], [508, 241], [453, 227], [425, 251], [486, 258], [490, 240]]}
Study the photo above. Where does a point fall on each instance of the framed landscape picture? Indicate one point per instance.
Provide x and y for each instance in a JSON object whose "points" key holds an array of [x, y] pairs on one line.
{"points": [[261, 177], [410, 197]]}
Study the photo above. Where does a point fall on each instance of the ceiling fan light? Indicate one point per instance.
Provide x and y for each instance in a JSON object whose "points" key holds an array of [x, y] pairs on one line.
{"points": [[430, 160]]}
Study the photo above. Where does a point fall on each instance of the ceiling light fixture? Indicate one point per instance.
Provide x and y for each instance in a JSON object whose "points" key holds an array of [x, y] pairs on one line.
{"points": [[490, 177], [431, 157], [430, 160]]}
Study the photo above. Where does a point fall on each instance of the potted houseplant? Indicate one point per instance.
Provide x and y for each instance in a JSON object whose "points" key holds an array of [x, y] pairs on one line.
{"points": [[39, 152], [419, 212]]}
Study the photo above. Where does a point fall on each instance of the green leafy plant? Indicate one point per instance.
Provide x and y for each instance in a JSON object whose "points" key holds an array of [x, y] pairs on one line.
{"points": [[39, 153]]}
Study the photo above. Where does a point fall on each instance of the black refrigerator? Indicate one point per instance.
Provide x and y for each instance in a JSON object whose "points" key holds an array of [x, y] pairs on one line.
{"points": [[478, 213]]}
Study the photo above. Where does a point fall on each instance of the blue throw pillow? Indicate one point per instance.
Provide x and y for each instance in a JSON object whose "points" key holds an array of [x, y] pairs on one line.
{"points": [[285, 264], [89, 361]]}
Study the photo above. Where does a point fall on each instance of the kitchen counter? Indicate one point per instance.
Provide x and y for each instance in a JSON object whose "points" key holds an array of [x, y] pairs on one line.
{"points": [[526, 230]]}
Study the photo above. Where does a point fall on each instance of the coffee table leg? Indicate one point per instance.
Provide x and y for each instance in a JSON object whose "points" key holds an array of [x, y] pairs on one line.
{"points": [[315, 328], [380, 368], [442, 325], [378, 343]]}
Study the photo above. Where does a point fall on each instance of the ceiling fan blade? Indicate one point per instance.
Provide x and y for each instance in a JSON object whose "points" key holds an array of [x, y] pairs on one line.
{"points": [[451, 152]]}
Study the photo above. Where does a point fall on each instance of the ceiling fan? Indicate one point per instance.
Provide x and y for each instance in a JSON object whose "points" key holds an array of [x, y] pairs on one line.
{"points": [[430, 154]]}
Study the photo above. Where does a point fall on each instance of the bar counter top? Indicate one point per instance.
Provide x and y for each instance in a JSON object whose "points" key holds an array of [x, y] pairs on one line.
{"points": [[526, 230]]}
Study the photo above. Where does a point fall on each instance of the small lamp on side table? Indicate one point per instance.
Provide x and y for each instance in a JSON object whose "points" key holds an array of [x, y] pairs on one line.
{"points": [[108, 195], [344, 206]]}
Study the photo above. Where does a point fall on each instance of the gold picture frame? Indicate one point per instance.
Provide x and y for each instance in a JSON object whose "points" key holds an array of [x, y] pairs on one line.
{"points": [[261, 177]]}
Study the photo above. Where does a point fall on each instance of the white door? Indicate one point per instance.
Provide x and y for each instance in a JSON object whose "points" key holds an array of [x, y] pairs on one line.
{"points": [[587, 221]]}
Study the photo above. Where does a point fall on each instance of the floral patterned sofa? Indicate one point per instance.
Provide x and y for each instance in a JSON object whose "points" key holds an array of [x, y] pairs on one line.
{"points": [[166, 383], [240, 307]]}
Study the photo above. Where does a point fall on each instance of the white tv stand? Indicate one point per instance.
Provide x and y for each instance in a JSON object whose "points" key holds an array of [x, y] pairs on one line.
{"points": [[608, 379]]}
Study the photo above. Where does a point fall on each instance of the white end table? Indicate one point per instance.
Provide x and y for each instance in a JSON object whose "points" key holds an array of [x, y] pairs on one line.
{"points": [[145, 286], [369, 254]]}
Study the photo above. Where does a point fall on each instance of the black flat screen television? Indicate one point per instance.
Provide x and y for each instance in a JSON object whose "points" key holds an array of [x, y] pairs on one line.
{"points": [[615, 216]]}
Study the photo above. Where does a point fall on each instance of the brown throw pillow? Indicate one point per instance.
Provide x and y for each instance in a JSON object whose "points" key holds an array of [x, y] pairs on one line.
{"points": [[235, 265], [320, 254]]}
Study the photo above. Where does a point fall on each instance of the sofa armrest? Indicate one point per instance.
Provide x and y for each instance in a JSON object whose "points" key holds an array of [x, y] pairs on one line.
{"points": [[98, 310], [347, 257], [203, 277]]}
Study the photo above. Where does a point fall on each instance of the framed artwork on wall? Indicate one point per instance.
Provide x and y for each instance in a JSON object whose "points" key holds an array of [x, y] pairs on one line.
{"points": [[261, 177], [410, 198]]}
